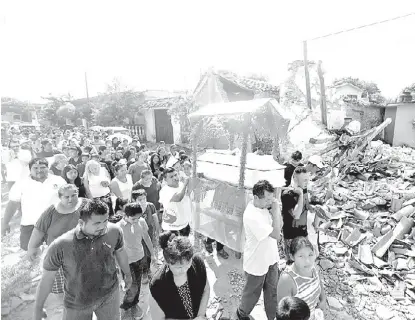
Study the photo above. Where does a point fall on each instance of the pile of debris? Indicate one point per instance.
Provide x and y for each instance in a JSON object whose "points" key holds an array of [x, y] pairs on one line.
{"points": [[367, 202]]}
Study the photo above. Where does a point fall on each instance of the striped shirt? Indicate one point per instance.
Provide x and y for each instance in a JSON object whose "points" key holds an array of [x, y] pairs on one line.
{"points": [[308, 289]]}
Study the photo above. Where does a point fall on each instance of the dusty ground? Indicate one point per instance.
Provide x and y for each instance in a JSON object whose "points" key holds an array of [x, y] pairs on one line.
{"points": [[347, 299]]}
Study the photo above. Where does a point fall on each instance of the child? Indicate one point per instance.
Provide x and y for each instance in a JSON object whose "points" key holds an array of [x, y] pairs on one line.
{"points": [[301, 279], [150, 216], [292, 308], [135, 230]]}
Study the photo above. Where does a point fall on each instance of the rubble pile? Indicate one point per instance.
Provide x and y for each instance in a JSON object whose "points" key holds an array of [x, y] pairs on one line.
{"points": [[367, 236]]}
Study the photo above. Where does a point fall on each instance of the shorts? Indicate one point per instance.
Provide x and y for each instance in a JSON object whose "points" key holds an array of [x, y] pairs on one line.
{"points": [[25, 234]]}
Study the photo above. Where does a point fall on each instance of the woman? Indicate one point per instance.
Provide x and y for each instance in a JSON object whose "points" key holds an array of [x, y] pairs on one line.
{"points": [[54, 222], [115, 142], [71, 175], [130, 156], [122, 184], [96, 182], [59, 162], [155, 165], [180, 288], [163, 155]]}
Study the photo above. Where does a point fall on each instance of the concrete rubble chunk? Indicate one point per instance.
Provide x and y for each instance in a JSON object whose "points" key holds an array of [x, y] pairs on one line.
{"points": [[335, 304], [384, 313], [326, 264]]}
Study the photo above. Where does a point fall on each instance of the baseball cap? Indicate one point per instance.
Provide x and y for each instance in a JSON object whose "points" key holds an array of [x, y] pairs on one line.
{"points": [[316, 160]]}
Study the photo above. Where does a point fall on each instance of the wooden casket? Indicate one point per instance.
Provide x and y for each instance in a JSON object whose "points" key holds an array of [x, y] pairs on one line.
{"points": [[217, 202]]}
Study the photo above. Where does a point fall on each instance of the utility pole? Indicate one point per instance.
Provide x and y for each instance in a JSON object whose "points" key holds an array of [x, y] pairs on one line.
{"points": [[323, 104], [86, 85], [87, 93], [307, 75]]}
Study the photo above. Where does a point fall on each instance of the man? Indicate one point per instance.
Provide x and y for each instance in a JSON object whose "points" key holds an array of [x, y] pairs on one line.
{"points": [[135, 143], [176, 203], [74, 155], [86, 255], [47, 149], [295, 206], [290, 166], [262, 225], [14, 166], [81, 167], [137, 167], [174, 151], [35, 194]]}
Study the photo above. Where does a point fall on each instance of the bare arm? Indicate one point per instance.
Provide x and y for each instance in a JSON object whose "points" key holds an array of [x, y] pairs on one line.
{"points": [[286, 287], [8, 215], [42, 292], [205, 299], [276, 221], [147, 239], [178, 196], [298, 210], [34, 243], [122, 260], [115, 189], [86, 185]]}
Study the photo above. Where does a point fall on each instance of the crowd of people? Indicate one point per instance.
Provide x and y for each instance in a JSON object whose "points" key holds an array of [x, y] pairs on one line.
{"points": [[105, 207]]}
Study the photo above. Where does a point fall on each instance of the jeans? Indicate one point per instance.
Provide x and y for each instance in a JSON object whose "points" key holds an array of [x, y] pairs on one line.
{"points": [[108, 308], [219, 246], [252, 291], [132, 295]]}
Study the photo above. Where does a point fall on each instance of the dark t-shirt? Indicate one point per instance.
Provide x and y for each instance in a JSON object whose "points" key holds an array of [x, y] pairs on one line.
{"points": [[135, 170], [164, 290], [289, 200], [288, 173], [153, 191], [88, 265], [54, 224]]}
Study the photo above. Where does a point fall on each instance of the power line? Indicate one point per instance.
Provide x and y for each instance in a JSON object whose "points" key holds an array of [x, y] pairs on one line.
{"points": [[363, 26]]}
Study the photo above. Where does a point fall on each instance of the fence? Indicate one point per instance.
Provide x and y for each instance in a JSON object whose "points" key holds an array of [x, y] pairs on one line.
{"points": [[137, 131]]}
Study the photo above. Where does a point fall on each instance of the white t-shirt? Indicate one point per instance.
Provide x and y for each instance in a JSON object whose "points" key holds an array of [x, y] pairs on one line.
{"points": [[35, 197], [176, 215], [94, 183], [260, 251]]}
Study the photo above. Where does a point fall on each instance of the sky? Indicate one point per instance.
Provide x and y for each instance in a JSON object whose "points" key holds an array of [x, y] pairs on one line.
{"points": [[48, 46]]}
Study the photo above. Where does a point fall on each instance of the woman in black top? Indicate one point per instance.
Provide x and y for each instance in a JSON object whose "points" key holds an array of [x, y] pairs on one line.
{"points": [[180, 288], [71, 175]]}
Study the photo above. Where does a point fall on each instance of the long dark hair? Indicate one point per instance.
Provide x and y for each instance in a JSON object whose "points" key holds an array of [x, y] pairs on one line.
{"points": [[69, 167], [153, 169]]}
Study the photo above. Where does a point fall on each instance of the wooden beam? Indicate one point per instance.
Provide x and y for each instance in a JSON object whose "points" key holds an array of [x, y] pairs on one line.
{"points": [[323, 104], [307, 75]]}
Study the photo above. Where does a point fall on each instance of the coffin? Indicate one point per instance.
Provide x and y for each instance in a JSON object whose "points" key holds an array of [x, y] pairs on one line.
{"points": [[218, 203]]}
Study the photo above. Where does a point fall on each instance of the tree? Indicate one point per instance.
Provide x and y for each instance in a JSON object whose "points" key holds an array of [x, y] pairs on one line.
{"points": [[50, 110], [121, 105]]}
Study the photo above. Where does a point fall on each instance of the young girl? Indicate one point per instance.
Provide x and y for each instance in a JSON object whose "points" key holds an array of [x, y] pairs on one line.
{"points": [[301, 279]]}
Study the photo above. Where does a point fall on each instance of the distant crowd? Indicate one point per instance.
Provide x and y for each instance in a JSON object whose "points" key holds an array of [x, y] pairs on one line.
{"points": [[105, 205]]}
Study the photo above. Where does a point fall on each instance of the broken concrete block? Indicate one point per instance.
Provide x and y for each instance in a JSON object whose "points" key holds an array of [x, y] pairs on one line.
{"points": [[402, 228], [364, 254], [404, 212]]}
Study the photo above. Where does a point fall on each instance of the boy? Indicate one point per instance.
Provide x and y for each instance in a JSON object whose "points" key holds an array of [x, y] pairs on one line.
{"points": [[152, 221], [135, 231], [290, 166], [292, 308]]}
